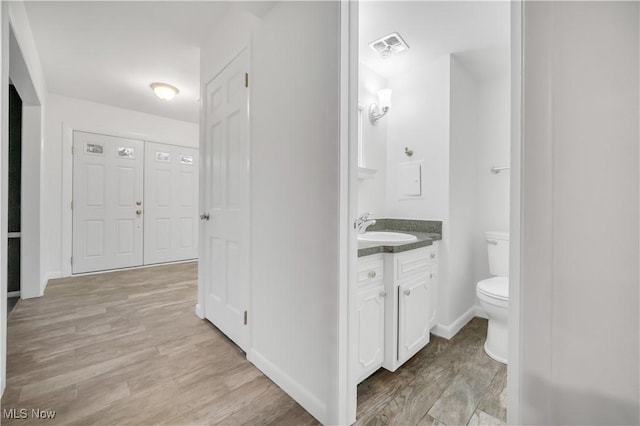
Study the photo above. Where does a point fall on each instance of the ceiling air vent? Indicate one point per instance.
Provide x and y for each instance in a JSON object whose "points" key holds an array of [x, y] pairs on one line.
{"points": [[389, 45]]}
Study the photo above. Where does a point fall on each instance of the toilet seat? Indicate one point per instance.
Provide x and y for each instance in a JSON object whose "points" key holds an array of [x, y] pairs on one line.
{"points": [[495, 287]]}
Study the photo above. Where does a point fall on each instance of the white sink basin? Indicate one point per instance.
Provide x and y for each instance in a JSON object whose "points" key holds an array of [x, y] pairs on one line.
{"points": [[386, 237]]}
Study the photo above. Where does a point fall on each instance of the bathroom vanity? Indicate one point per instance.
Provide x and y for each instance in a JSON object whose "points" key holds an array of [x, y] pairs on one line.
{"points": [[396, 301]]}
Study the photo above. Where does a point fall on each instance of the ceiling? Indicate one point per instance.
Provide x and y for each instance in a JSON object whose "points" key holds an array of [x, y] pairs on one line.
{"points": [[478, 32], [111, 51]]}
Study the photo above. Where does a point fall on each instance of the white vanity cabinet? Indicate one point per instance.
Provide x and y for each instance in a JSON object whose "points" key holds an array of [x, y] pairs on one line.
{"points": [[396, 307], [370, 316], [412, 305]]}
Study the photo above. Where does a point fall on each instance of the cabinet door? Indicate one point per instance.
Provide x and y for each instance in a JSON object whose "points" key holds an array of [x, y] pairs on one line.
{"points": [[370, 325], [432, 287], [414, 315]]}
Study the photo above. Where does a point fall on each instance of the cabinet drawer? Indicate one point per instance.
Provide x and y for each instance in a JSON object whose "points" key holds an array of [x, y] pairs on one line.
{"points": [[370, 269], [413, 262]]}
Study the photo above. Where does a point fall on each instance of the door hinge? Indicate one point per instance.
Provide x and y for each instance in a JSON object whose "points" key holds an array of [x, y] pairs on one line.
{"points": [[72, 205], [73, 150], [246, 79], [245, 318], [71, 260]]}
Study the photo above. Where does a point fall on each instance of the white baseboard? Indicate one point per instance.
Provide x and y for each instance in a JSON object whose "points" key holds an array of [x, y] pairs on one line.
{"points": [[49, 276], [130, 268], [13, 294], [305, 398], [199, 312], [448, 331]]}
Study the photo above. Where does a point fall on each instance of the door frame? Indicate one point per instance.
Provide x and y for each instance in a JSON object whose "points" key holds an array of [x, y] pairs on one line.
{"points": [[347, 386], [514, 371]]}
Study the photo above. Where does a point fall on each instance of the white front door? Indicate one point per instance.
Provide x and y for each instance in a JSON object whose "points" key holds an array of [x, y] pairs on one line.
{"points": [[225, 227], [107, 198], [170, 204]]}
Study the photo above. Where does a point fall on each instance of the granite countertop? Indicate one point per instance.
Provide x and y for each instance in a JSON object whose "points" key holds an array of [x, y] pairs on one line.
{"points": [[427, 232], [424, 239]]}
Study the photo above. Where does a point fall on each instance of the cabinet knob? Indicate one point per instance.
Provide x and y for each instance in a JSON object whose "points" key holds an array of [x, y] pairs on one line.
{"points": [[430, 276], [138, 212], [204, 216], [407, 292], [433, 255], [383, 293], [372, 274]]}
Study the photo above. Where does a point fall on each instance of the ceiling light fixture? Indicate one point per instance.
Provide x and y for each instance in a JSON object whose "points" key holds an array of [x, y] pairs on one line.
{"points": [[164, 91]]}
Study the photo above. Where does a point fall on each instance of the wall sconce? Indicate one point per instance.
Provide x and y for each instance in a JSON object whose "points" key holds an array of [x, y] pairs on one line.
{"points": [[377, 111]]}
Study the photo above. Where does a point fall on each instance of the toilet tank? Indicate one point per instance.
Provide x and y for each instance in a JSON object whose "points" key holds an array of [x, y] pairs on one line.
{"points": [[498, 250]]}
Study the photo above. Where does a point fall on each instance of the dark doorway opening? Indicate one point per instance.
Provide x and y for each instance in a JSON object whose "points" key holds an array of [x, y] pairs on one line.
{"points": [[14, 204]]}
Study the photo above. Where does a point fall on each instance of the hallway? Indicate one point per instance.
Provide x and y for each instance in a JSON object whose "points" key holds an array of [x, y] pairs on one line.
{"points": [[125, 347]]}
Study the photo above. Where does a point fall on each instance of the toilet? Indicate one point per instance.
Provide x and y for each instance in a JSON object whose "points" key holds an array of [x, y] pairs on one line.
{"points": [[493, 294]]}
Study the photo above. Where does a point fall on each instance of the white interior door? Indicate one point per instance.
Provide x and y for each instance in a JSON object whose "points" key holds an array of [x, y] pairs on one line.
{"points": [[170, 204], [107, 185], [226, 202]]}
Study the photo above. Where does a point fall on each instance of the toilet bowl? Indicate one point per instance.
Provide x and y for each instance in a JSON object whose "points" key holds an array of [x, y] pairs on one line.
{"points": [[493, 295]]}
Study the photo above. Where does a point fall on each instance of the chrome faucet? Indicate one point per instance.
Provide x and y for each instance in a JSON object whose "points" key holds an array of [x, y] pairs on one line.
{"points": [[364, 221]]}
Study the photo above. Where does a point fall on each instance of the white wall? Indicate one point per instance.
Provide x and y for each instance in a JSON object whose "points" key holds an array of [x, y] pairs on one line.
{"points": [[64, 115], [24, 36], [31, 248], [458, 228], [419, 120], [295, 186], [26, 73], [492, 191], [295, 171], [372, 192], [579, 324]]}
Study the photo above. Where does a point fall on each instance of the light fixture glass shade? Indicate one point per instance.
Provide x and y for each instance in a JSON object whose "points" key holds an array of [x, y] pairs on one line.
{"points": [[384, 98], [164, 91]]}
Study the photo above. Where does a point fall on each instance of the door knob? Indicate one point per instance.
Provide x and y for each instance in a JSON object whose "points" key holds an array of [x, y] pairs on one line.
{"points": [[383, 293], [407, 292], [138, 212], [138, 203], [204, 216], [372, 274]]}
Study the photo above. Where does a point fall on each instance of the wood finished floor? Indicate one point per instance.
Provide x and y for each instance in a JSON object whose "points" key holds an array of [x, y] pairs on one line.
{"points": [[126, 348], [449, 382]]}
